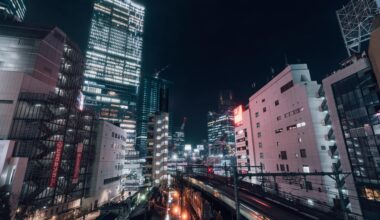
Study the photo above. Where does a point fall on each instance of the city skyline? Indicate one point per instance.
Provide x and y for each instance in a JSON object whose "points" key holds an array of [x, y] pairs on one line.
{"points": [[280, 109], [200, 44]]}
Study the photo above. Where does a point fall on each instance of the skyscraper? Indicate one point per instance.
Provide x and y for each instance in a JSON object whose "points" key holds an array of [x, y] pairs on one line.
{"points": [[220, 125], [152, 98], [113, 62], [13, 8]]}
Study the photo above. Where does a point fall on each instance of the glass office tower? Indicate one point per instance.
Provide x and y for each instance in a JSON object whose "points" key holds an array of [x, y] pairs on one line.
{"points": [[152, 99], [113, 62], [14, 8]]}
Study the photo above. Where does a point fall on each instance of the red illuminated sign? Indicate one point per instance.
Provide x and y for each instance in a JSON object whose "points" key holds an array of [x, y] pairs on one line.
{"points": [[77, 162], [56, 163], [238, 115]]}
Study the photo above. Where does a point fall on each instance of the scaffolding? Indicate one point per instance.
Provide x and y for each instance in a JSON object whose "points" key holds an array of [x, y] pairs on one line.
{"points": [[355, 21]]}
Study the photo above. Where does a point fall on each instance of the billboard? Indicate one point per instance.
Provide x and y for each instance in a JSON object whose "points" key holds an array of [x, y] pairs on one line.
{"points": [[56, 164], [78, 158]]}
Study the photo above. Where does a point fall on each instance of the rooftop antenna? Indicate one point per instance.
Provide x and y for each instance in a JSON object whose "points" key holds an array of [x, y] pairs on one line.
{"points": [[272, 71], [286, 59]]}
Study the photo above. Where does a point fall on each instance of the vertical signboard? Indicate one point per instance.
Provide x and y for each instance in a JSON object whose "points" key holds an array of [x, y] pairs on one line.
{"points": [[238, 115], [77, 163], [56, 164]]}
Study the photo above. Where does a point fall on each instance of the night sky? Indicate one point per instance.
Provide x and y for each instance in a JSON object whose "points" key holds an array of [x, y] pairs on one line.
{"points": [[217, 44]]}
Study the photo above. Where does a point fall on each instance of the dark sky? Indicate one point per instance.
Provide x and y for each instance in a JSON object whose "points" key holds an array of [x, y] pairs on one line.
{"points": [[217, 44]]}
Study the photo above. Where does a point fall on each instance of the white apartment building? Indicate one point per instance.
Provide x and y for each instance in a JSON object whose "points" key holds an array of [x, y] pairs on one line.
{"points": [[110, 167], [157, 150], [290, 136], [245, 155]]}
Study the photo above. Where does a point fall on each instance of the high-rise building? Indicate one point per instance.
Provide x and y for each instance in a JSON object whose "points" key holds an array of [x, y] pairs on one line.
{"points": [[151, 100], [13, 8], [288, 135], [355, 21], [158, 148], [353, 99], [113, 62], [41, 72], [220, 126]]}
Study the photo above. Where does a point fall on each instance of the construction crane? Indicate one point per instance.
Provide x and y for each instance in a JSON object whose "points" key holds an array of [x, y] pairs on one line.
{"points": [[157, 74]]}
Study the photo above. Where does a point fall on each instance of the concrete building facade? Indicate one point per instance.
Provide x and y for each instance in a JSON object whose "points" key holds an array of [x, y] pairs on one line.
{"points": [[111, 171], [290, 136], [41, 72], [245, 151]]}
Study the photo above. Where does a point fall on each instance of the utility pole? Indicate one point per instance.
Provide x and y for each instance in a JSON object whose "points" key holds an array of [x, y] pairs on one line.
{"points": [[237, 202], [339, 185]]}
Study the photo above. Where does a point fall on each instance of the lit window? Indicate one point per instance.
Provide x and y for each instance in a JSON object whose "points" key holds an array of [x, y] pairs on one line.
{"points": [[306, 169]]}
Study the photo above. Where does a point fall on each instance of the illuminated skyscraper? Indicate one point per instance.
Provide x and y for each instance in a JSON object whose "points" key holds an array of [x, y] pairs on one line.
{"points": [[14, 8], [220, 125], [153, 98], [113, 62]]}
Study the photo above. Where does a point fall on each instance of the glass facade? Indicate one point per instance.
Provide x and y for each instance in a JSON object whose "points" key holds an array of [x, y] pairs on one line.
{"points": [[220, 132], [149, 103], [113, 62], [14, 8], [358, 105]]}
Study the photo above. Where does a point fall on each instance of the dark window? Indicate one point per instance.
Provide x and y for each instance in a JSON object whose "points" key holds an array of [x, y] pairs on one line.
{"points": [[287, 167], [278, 130], [260, 145], [259, 134], [277, 167], [261, 155], [263, 100], [111, 180], [286, 86], [257, 114], [276, 102], [264, 109], [257, 125], [282, 167], [283, 155], [323, 147], [6, 101], [278, 118], [303, 153], [309, 186]]}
